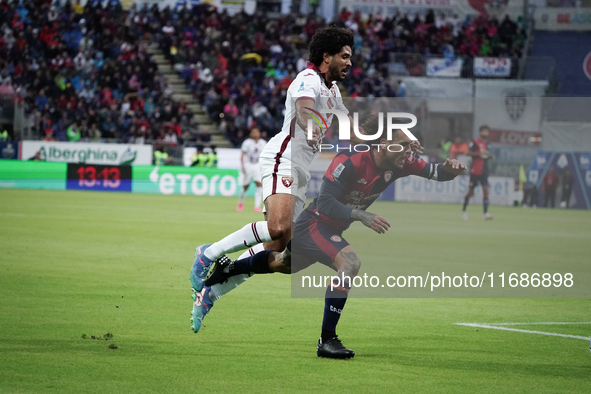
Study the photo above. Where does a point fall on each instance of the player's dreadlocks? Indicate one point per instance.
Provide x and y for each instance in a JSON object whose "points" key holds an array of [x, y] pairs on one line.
{"points": [[329, 40]]}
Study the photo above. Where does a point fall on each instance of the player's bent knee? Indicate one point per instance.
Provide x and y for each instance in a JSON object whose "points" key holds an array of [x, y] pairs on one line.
{"points": [[278, 231], [352, 265], [352, 269]]}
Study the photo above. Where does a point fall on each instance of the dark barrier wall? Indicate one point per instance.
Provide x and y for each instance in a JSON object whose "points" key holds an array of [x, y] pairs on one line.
{"points": [[570, 49]]}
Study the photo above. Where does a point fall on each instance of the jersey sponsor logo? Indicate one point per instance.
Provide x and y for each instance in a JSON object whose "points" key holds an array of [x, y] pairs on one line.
{"points": [[411, 158], [388, 176], [287, 181], [301, 89], [337, 171], [363, 181], [336, 238]]}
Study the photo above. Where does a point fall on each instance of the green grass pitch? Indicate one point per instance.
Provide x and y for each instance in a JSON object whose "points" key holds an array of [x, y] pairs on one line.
{"points": [[83, 263]]}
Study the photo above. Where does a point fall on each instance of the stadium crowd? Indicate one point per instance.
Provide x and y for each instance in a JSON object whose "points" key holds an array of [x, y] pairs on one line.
{"points": [[83, 71], [83, 74], [240, 66]]}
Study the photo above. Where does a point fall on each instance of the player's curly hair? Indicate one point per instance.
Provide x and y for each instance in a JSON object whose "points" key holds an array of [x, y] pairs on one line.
{"points": [[329, 40]]}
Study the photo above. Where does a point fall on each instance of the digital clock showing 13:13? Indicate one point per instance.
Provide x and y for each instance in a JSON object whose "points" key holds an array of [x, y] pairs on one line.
{"points": [[98, 177]]}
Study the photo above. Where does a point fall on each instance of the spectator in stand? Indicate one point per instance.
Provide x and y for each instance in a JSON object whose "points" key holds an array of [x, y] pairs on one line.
{"points": [[73, 132], [161, 156], [212, 157], [108, 128], [94, 133], [76, 51], [205, 136], [170, 137], [59, 49], [458, 148], [41, 100], [401, 89], [549, 186], [6, 88], [175, 126], [199, 158], [231, 110], [48, 135], [444, 149]]}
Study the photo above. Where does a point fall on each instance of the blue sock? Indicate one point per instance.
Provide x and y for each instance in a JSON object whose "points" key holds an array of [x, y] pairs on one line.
{"points": [[334, 302], [257, 264], [485, 203]]}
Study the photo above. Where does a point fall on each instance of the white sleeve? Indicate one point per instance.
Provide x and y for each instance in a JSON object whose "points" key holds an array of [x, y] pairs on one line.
{"points": [[306, 85], [244, 147]]}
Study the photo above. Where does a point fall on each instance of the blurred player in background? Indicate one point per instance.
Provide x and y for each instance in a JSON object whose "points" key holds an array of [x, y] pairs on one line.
{"points": [[567, 188], [549, 186], [249, 163], [351, 184], [479, 151]]}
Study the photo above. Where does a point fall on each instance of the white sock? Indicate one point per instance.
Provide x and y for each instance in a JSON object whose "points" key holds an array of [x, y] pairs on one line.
{"points": [[247, 236], [241, 198], [233, 282], [258, 197]]}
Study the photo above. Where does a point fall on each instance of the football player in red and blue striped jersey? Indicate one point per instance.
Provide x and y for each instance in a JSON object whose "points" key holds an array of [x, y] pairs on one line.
{"points": [[353, 181], [479, 151]]}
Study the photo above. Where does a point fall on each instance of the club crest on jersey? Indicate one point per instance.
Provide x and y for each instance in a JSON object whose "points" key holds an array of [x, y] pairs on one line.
{"points": [[336, 238], [301, 89], [337, 171], [287, 181], [388, 176]]}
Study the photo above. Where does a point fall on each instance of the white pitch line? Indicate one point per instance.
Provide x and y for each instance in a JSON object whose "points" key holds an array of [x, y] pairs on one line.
{"points": [[532, 323], [553, 334]]}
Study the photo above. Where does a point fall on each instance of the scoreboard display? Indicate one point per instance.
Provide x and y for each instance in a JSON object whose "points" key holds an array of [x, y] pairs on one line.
{"points": [[99, 177]]}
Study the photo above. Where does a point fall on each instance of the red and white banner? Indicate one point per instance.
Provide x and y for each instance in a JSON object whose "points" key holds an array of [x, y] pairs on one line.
{"points": [[512, 137], [563, 19], [388, 8], [492, 67]]}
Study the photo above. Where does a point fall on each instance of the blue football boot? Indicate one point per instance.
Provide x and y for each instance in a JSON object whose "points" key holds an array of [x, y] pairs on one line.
{"points": [[202, 303], [200, 268]]}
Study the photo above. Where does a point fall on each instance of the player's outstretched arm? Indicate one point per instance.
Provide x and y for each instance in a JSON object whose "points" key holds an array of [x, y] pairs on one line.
{"points": [[437, 172], [371, 220], [416, 147], [454, 167]]}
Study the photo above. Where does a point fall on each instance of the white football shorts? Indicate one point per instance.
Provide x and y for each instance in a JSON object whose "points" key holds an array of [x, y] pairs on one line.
{"points": [[280, 175]]}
